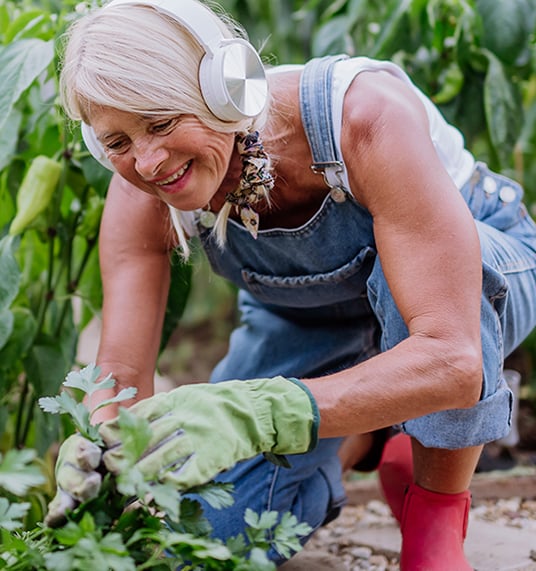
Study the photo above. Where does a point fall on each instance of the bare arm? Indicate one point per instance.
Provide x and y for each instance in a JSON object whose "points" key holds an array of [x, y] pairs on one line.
{"points": [[430, 254], [134, 247]]}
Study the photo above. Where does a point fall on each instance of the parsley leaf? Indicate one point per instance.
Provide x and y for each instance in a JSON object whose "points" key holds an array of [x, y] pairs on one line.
{"points": [[17, 475]]}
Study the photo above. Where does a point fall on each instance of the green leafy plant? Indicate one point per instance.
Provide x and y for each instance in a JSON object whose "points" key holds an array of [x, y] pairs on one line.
{"points": [[52, 196], [18, 474], [132, 523]]}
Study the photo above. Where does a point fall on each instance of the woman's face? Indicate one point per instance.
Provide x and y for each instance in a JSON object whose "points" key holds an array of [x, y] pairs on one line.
{"points": [[176, 158]]}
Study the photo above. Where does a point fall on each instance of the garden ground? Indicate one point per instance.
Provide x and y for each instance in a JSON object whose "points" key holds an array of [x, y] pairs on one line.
{"points": [[501, 536]]}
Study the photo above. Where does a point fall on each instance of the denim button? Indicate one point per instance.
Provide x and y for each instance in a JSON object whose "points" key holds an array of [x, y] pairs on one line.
{"points": [[507, 194], [489, 184], [338, 194]]}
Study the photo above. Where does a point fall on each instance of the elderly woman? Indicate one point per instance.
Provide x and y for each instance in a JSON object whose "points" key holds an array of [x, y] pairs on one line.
{"points": [[383, 273]]}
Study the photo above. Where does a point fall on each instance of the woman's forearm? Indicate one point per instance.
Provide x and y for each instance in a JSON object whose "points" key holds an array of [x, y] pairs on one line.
{"points": [[415, 378]]}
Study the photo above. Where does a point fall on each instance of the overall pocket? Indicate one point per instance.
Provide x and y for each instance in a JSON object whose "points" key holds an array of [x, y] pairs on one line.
{"points": [[345, 283]]}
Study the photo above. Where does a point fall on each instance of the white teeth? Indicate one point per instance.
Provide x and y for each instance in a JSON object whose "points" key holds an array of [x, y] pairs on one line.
{"points": [[175, 176]]}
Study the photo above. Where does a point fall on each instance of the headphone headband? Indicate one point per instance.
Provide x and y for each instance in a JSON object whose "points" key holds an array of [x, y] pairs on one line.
{"points": [[231, 74], [196, 17]]}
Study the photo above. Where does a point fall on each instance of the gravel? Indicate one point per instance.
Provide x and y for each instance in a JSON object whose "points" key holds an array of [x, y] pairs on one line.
{"points": [[341, 538]]}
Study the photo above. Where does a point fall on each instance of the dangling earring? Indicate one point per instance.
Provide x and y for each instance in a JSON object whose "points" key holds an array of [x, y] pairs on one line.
{"points": [[256, 181], [207, 218]]}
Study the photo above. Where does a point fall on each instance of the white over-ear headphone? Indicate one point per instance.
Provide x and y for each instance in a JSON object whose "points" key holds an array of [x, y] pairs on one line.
{"points": [[231, 75]]}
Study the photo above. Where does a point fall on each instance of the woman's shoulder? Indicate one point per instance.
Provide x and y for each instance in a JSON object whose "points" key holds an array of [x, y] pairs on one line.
{"points": [[378, 99]]}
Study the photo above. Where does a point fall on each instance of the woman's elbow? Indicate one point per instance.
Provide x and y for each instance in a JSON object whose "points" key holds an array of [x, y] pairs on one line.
{"points": [[467, 372]]}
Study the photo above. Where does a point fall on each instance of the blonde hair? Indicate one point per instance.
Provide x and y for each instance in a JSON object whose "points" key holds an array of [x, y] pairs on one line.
{"points": [[136, 59]]}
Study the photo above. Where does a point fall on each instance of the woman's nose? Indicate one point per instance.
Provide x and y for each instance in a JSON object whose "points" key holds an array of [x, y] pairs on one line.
{"points": [[149, 157]]}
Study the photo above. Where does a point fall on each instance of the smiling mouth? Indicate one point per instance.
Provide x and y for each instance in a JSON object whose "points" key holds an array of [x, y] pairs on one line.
{"points": [[174, 177]]}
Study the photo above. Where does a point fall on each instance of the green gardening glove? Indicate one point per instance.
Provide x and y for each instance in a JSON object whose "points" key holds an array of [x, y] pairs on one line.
{"points": [[76, 477], [201, 430]]}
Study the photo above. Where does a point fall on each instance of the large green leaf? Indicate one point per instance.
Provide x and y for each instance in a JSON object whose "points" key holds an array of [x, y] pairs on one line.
{"points": [[46, 366], [506, 27], [20, 64], [4, 19], [9, 136], [504, 112], [22, 335], [96, 175], [179, 290], [6, 326], [332, 37], [7, 202], [9, 273], [391, 29], [26, 25]]}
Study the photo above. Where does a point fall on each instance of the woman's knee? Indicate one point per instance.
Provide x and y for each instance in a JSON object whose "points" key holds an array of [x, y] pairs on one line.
{"points": [[311, 490]]}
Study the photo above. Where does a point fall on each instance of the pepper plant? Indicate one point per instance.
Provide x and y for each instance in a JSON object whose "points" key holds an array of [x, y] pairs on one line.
{"points": [[51, 199], [50, 208]]}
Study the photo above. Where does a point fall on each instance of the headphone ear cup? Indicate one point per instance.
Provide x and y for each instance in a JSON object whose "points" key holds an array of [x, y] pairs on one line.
{"points": [[233, 81], [94, 146]]}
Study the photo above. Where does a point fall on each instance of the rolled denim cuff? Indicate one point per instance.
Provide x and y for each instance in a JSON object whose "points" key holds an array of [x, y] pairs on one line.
{"points": [[488, 420]]}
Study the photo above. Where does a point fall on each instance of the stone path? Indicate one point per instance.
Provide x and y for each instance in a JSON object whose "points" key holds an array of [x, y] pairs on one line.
{"points": [[488, 547], [501, 536]]}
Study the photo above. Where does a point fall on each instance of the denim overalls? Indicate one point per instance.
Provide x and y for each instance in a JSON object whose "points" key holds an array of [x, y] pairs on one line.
{"points": [[314, 300]]}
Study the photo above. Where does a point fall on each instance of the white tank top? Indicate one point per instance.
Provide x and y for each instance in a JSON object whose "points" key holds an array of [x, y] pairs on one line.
{"points": [[447, 140]]}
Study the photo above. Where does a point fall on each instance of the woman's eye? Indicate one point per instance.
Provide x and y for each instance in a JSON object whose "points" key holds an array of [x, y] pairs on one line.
{"points": [[116, 146]]}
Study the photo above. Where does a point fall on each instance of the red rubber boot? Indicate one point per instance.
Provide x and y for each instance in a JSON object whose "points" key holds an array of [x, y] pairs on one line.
{"points": [[433, 530], [396, 472]]}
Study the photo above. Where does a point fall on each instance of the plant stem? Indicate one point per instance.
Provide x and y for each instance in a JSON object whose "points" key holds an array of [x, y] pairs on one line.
{"points": [[72, 284], [150, 562], [19, 442], [49, 293], [29, 418]]}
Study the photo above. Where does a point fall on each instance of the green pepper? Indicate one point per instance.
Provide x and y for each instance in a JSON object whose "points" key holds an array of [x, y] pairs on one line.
{"points": [[35, 192], [451, 84]]}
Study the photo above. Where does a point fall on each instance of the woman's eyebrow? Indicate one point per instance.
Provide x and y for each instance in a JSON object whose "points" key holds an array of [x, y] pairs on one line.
{"points": [[106, 136], [162, 114]]}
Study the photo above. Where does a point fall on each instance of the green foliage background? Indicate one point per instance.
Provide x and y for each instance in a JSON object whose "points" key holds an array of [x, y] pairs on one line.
{"points": [[475, 58]]}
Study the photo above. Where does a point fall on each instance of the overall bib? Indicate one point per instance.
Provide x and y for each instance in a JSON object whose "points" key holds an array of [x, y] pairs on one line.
{"points": [[314, 300]]}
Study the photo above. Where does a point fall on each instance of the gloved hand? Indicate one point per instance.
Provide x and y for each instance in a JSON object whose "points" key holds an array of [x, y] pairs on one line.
{"points": [[201, 430], [76, 477]]}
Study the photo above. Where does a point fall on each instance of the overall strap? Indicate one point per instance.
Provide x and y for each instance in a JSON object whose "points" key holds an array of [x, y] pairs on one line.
{"points": [[315, 105]]}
